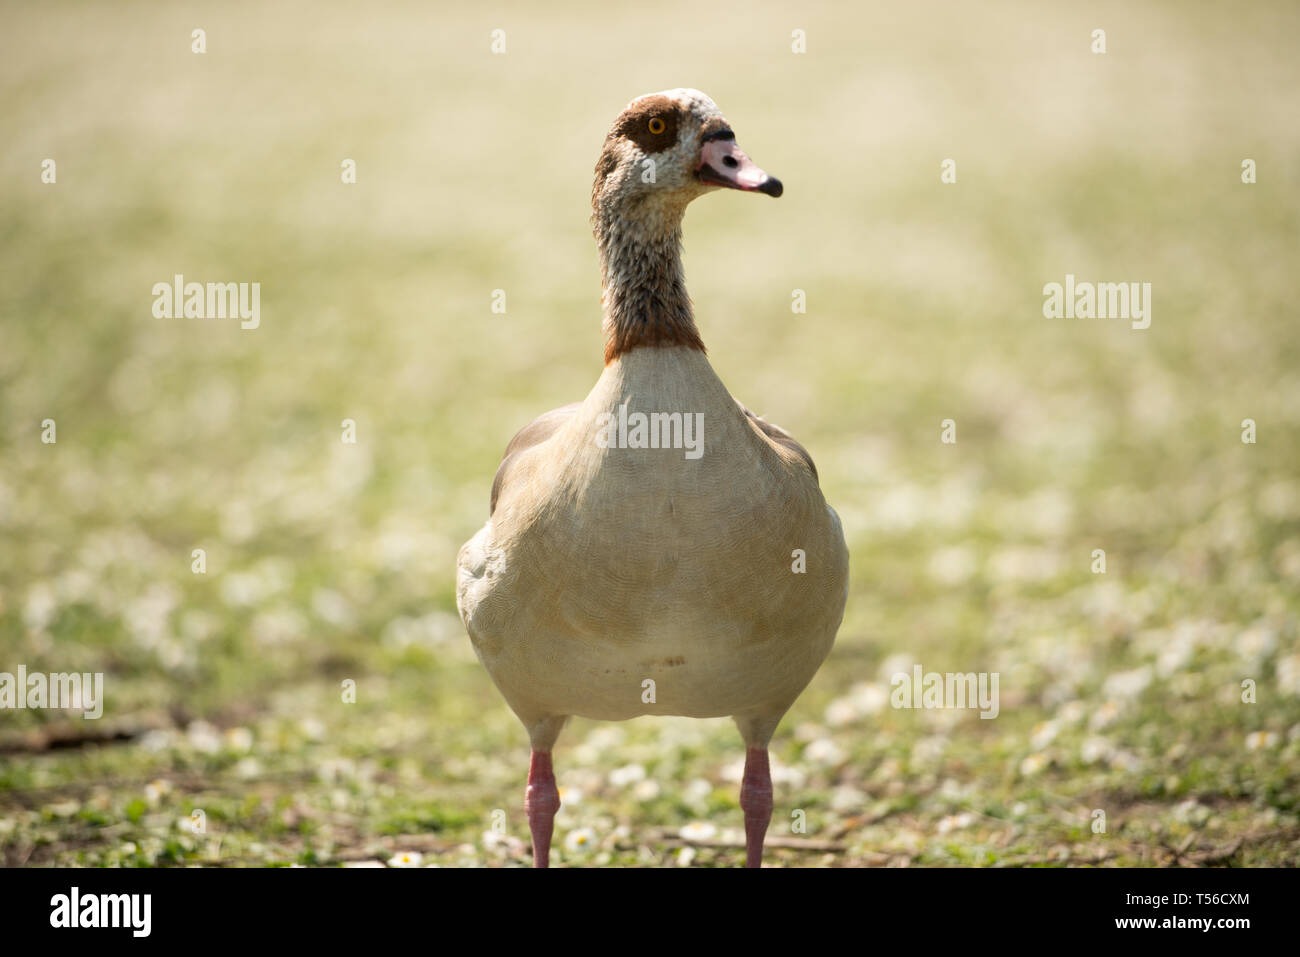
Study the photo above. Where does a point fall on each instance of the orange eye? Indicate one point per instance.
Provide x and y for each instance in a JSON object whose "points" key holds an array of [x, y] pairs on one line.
{"points": [[657, 126]]}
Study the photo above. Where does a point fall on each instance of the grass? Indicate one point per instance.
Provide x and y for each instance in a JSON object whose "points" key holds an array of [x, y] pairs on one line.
{"points": [[326, 563]]}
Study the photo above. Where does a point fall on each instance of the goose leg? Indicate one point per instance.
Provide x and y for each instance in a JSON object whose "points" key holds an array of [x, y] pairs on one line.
{"points": [[756, 802], [541, 801]]}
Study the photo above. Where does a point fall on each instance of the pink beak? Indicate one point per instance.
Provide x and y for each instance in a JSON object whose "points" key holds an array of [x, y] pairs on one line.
{"points": [[723, 163]]}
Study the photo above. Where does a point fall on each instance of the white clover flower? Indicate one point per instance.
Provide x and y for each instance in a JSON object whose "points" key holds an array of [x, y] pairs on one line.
{"points": [[785, 774], [159, 739], [697, 789], [840, 712], [1033, 764], [954, 565], [1123, 760], [1128, 684], [606, 736], [331, 607], [40, 606], [1260, 740], [628, 774], [847, 798], [1044, 733], [1256, 642], [698, 831], [955, 822], [863, 699], [928, 750], [155, 790], [1288, 674], [1105, 715], [1192, 812], [240, 589], [1072, 712], [824, 752], [646, 790], [580, 839], [277, 626], [332, 770], [203, 737], [502, 843], [895, 664], [1094, 749]]}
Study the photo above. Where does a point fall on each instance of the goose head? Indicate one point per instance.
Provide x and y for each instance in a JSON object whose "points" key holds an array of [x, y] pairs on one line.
{"points": [[667, 149]]}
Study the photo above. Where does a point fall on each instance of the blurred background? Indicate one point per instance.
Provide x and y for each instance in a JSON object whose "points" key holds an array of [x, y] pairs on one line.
{"points": [[327, 562]]}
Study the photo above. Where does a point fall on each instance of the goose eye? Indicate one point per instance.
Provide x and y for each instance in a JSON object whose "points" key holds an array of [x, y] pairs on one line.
{"points": [[656, 126]]}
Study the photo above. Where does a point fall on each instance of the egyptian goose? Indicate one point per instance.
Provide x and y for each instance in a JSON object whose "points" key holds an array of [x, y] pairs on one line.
{"points": [[652, 565]]}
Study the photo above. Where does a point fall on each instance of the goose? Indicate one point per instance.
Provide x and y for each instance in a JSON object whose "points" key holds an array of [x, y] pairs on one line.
{"points": [[623, 572]]}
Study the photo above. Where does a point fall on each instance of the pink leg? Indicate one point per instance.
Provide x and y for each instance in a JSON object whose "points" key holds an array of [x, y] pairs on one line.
{"points": [[541, 801], [756, 802]]}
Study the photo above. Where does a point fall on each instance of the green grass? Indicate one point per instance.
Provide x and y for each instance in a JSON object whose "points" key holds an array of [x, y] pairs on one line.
{"points": [[326, 562]]}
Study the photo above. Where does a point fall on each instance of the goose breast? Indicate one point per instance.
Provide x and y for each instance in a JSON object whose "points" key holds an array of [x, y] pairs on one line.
{"points": [[602, 568]]}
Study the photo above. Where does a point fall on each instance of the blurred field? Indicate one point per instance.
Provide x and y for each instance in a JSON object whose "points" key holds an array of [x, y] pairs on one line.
{"points": [[1120, 692]]}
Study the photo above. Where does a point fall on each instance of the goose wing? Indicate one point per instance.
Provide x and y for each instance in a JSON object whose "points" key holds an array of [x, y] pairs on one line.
{"points": [[779, 436], [536, 431]]}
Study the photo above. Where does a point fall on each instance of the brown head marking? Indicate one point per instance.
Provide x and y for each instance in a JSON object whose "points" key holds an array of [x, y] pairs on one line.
{"points": [[651, 123]]}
